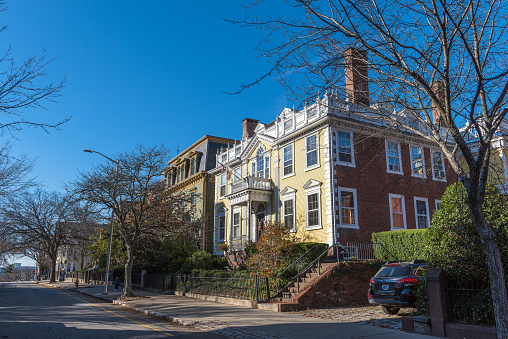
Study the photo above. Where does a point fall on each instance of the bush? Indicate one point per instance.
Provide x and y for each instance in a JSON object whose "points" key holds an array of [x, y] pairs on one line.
{"points": [[201, 260], [453, 243], [299, 249], [401, 245]]}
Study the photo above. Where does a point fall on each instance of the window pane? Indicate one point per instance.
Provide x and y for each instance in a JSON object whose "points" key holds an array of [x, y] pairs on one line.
{"points": [[312, 209], [421, 207], [396, 205], [398, 220], [347, 199], [288, 160], [288, 213], [311, 151], [345, 147], [416, 160]]}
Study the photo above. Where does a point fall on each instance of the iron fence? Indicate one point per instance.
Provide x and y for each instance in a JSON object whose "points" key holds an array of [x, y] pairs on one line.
{"points": [[470, 304], [362, 251], [252, 288]]}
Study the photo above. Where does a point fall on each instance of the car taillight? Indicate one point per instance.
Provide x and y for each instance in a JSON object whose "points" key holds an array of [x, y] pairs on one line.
{"points": [[407, 281], [372, 280]]}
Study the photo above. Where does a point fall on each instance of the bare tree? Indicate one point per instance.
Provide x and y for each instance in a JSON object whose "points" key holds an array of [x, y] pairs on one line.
{"points": [[423, 56], [133, 193], [14, 172], [40, 222], [22, 86]]}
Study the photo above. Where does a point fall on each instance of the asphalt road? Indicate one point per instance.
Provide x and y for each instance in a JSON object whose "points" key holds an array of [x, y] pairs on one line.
{"points": [[33, 311]]}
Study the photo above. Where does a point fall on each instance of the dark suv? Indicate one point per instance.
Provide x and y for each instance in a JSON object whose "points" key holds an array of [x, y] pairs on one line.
{"points": [[392, 285]]}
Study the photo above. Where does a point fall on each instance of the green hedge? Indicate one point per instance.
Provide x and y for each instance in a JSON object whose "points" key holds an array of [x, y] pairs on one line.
{"points": [[401, 245]]}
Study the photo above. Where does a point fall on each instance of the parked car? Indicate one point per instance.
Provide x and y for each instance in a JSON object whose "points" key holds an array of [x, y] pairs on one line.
{"points": [[392, 286]]}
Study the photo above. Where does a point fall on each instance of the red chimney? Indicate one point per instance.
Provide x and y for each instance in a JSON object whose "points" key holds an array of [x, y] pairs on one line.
{"points": [[357, 76], [438, 89], [249, 125]]}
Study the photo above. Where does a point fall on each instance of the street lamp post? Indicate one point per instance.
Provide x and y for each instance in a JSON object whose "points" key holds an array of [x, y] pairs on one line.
{"points": [[112, 217]]}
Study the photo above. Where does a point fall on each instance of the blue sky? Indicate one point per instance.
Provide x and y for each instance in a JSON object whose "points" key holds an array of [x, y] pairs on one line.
{"points": [[138, 72]]}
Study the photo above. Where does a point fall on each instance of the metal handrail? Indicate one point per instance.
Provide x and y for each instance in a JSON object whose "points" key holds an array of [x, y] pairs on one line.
{"points": [[318, 259], [294, 262]]}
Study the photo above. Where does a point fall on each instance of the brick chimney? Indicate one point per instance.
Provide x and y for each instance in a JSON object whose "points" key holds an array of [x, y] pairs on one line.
{"points": [[249, 125], [357, 76], [438, 89]]}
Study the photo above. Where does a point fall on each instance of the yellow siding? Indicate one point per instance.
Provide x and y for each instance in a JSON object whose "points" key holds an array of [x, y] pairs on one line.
{"points": [[297, 181]]}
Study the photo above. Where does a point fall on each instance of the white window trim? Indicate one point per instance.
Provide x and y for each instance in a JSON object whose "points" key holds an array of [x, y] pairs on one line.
{"points": [[289, 196], [436, 204], [220, 186], [337, 146], [432, 164], [236, 210], [413, 174], [308, 168], [426, 207], [403, 202], [309, 191], [356, 226], [233, 178], [388, 170], [221, 212], [292, 161]]}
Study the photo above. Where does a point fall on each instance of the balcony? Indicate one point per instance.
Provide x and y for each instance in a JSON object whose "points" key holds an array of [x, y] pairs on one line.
{"points": [[251, 182], [250, 189]]}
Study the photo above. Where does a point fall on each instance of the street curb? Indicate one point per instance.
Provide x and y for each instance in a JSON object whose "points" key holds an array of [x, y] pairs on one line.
{"points": [[153, 314]]}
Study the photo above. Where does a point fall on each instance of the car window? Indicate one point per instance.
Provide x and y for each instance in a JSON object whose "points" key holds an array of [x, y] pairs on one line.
{"points": [[418, 272], [394, 271]]}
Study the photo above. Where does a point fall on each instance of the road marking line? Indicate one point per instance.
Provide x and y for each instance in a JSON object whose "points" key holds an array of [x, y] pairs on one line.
{"points": [[134, 321]]}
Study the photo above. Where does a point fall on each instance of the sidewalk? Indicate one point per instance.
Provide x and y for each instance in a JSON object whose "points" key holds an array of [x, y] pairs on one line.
{"points": [[234, 321]]}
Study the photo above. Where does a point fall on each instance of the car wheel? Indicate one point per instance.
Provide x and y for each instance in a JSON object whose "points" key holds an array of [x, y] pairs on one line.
{"points": [[391, 310]]}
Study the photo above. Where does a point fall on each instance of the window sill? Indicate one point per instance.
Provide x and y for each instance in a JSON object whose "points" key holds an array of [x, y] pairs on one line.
{"points": [[347, 164], [439, 179], [350, 226], [312, 167], [312, 228], [288, 176], [395, 172]]}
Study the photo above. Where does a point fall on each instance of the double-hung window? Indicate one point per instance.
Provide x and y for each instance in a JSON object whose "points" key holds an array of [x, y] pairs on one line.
{"points": [[222, 185], [236, 224], [417, 165], [289, 213], [313, 210], [261, 165], [348, 208], [422, 213], [222, 225], [393, 158], [236, 174], [397, 211], [438, 172], [288, 160], [311, 147], [345, 148]]}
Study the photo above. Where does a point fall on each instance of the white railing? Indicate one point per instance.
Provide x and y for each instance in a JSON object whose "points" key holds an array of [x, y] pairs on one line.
{"points": [[238, 243], [251, 182]]}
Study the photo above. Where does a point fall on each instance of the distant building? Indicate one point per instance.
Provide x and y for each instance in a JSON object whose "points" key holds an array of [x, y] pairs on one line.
{"points": [[187, 175]]}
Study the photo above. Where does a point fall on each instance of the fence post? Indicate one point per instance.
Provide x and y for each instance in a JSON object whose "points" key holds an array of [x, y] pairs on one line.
{"points": [[257, 282], [438, 303], [267, 288]]}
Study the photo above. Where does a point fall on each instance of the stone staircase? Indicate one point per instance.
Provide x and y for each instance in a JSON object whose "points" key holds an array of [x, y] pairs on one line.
{"points": [[288, 297]]}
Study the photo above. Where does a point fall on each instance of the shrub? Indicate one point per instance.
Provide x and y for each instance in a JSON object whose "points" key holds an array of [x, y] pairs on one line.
{"points": [[453, 243], [401, 245], [201, 260]]}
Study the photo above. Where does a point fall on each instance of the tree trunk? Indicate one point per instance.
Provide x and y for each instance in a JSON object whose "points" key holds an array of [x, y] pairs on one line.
{"points": [[127, 285], [52, 273], [496, 271]]}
